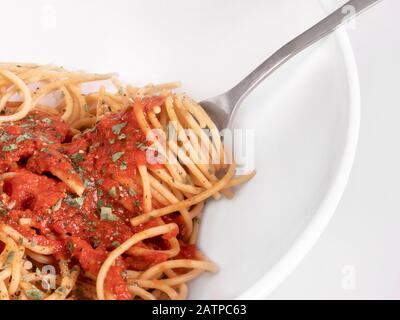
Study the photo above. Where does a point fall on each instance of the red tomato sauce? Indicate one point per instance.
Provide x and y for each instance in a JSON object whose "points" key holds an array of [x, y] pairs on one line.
{"points": [[42, 153]]}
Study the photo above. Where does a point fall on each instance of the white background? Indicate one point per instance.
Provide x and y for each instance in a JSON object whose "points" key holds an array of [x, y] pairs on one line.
{"points": [[362, 242]]}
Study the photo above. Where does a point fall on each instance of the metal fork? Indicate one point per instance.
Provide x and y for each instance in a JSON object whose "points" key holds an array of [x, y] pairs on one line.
{"points": [[222, 108]]}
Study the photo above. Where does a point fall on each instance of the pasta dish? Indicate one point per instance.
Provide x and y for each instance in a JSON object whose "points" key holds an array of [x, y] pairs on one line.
{"points": [[102, 186]]}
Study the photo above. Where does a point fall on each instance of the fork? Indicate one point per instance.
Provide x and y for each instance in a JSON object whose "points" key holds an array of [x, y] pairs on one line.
{"points": [[222, 108]]}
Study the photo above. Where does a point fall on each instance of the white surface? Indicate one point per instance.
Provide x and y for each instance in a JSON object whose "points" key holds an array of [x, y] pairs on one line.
{"points": [[358, 256], [305, 121]]}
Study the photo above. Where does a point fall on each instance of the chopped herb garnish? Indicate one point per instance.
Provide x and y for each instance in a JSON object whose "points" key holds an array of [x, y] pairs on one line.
{"points": [[107, 215], [141, 146], [11, 205], [79, 201], [123, 165], [132, 192], [45, 139], [117, 155], [99, 192], [3, 212], [74, 202], [88, 183], [94, 146], [122, 136], [95, 242], [23, 137], [70, 247], [34, 294], [115, 244], [116, 129], [57, 205], [196, 220], [10, 257], [136, 203], [38, 272], [100, 182], [77, 157], [100, 203], [10, 147], [113, 192], [61, 290], [4, 137], [47, 121]]}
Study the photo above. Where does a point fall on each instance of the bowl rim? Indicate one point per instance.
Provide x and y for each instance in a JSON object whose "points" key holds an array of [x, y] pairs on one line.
{"points": [[307, 239]]}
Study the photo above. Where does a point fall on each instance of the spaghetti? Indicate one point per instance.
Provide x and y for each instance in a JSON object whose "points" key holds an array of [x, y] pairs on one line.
{"points": [[102, 188]]}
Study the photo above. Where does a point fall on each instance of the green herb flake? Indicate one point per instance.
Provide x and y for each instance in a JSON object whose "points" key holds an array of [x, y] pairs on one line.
{"points": [[57, 205], [88, 183], [46, 140], [122, 136], [116, 156], [11, 205], [117, 128], [112, 192], [4, 137], [70, 247], [78, 157], [100, 203], [196, 220], [38, 272], [27, 125], [74, 202], [107, 215], [123, 165], [61, 290], [100, 182], [10, 257], [3, 212], [34, 294], [141, 146], [94, 146], [115, 244], [23, 137], [10, 147], [136, 203], [95, 242], [132, 192], [47, 121]]}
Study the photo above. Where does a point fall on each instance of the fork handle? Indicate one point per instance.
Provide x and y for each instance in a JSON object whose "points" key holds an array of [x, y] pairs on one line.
{"points": [[329, 24]]}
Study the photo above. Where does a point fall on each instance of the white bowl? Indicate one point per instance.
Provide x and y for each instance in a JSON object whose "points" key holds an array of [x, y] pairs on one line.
{"points": [[305, 116]]}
